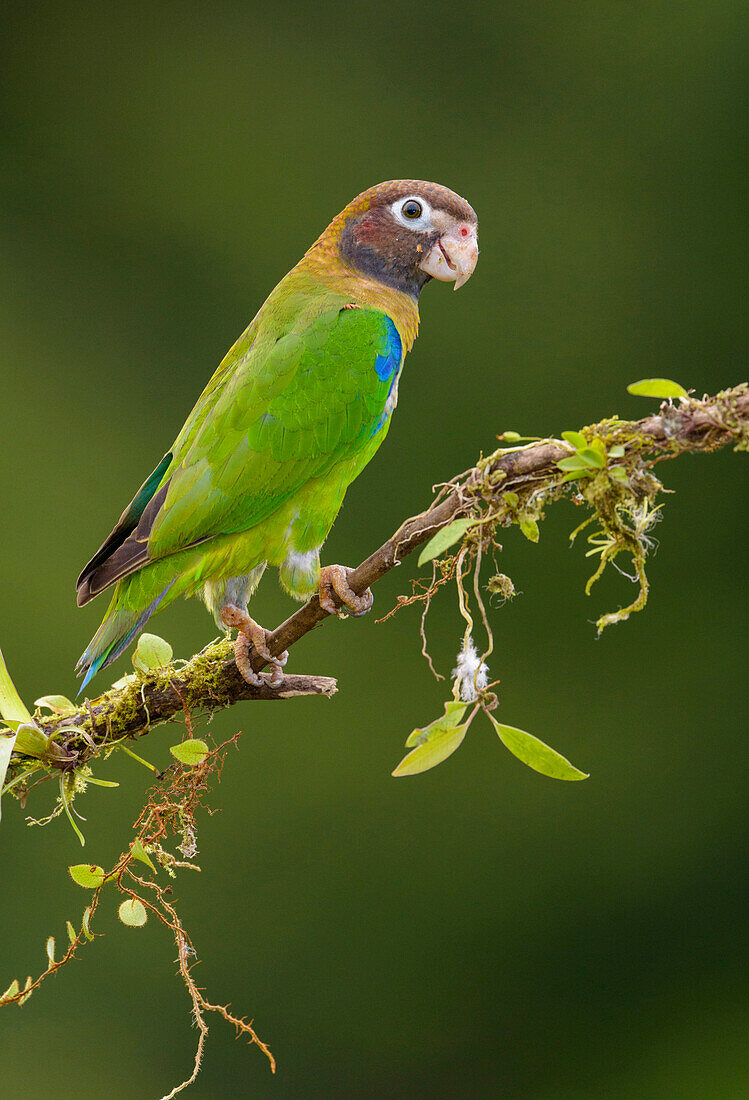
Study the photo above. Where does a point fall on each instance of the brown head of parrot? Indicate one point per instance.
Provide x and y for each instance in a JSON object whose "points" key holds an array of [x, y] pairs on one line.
{"points": [[405, 232]]}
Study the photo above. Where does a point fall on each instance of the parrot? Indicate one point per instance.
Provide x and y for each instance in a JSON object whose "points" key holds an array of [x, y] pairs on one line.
{"points": [[291, 416]]}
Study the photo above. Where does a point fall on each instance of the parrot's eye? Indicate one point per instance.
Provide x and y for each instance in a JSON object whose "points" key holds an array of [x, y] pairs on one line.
{"points": [[413, 212], [411, 209]]}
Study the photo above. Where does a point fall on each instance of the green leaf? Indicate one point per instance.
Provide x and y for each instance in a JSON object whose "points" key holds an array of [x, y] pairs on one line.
{"points": [[191, 753], [529, 527], [85, 923], [616, 452], [444, 538], [139, 852], [575, 439], [12, 709], [68, 814], [618, 473], [71, 932], [51, 950], [576, 475], [58, 704], [140, 759], [20, 778], [11, 991], [27, 992], [437, 748], [656, 387], [100, 782], [454, 711], [511, 499], [11, 705], [593, 456], [88, 875], [30, 740], [535, 753], [151, 652], [133, 913], [574, 462], [511, 437]]}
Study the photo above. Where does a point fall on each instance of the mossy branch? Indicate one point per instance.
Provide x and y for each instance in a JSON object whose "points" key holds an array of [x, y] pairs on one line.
{"points": [[512, 485], [693, 426]]}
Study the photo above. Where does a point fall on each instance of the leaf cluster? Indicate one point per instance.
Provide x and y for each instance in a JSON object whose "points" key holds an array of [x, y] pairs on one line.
{"points": [[432, 744]]}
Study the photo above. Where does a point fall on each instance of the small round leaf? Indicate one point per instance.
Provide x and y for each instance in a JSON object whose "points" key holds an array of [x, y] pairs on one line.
{"points": [[593, 456], [574, 462], [88, 875], [575, 439], [191, 753], [151, 652], [133, 913]]}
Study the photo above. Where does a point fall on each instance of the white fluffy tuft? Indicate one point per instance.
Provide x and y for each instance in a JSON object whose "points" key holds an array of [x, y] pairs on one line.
{"points": [[471, 672]]}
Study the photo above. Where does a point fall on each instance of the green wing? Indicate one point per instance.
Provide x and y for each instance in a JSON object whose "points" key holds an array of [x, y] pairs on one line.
{"points": [[288, 412]]}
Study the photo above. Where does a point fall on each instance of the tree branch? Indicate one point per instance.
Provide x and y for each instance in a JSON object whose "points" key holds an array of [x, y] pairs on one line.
{"points": [[692, 426], [210, 680]]}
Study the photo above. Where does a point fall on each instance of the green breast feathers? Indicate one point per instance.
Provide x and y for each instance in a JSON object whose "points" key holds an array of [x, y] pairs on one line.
{"points": [[318, 398]]}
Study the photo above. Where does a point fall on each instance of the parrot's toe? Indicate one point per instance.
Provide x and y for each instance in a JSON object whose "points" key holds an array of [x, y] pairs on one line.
{"points": [[334, 583], [252, 635]]}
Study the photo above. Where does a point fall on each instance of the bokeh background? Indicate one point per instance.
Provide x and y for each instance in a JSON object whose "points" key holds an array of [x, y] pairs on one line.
{"points": [[479, 930]]}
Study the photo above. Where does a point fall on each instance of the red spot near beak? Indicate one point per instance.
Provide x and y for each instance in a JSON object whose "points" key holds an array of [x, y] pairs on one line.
{"points": [[464, 231]]}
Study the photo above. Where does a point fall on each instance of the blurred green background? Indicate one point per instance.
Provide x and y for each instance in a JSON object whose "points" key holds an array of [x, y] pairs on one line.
{"points": [[479, 930]]}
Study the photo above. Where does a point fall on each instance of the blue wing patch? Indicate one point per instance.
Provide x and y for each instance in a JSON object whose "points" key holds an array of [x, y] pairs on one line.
{"points": [[389, 358], [387, 365]]}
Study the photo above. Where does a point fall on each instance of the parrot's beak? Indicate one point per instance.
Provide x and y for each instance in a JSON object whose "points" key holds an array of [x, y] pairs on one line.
{"points": [[453, 257]]}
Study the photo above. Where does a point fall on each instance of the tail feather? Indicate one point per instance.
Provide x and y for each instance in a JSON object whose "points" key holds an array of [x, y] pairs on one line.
{"points": [[117, 631]]}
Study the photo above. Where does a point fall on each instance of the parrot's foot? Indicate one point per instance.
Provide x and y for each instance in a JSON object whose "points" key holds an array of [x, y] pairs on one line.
{"points": [[334, 582], [252, 636]]}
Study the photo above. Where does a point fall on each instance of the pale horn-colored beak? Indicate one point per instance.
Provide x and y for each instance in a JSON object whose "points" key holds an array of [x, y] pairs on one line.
{"points": [[453, 257]]}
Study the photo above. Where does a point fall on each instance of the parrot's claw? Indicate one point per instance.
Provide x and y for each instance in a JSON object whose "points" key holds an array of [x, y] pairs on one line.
{"points": [[252, 635], [334, 583]]}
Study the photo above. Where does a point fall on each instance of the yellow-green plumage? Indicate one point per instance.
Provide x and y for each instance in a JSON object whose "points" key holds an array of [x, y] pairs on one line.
{"points": [[258, 473]]}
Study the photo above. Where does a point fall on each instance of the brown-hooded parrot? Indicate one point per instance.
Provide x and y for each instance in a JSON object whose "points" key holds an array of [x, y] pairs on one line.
{"points": [[293, 414]]}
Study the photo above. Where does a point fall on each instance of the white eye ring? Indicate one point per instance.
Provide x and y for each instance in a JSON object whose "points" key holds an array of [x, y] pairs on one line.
{"points": [[423, 222]]}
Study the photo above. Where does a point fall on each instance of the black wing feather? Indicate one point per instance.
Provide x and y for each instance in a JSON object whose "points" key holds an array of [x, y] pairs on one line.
{"points": [[126, 548]]}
